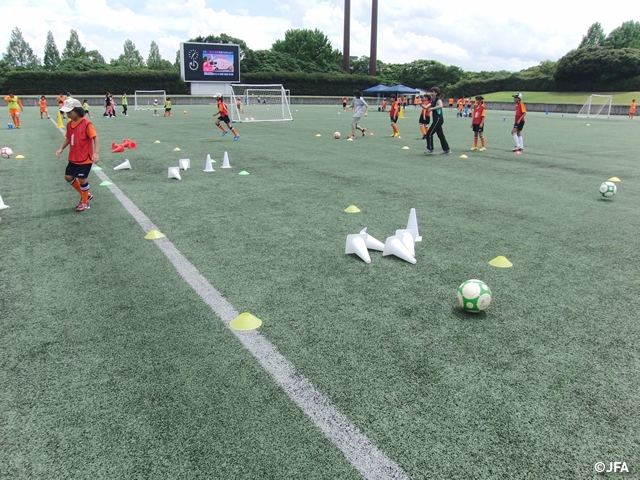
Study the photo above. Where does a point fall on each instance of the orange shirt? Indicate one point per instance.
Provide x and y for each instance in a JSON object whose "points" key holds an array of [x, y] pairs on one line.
{"points": [[632, 108], [222, 108], [395, 108], [520, 110], [345, 99], [384, 104], [451, 101], [80, 138], [61, 99], [460, 103], [43, 104]]}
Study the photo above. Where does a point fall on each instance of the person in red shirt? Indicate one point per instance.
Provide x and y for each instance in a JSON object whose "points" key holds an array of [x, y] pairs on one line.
{"points": [[521, 111], [83, 151], [223, 116], [477, 123], [394, 112], [384, 105]]}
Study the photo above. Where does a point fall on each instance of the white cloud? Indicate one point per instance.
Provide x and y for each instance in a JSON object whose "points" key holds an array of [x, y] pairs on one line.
{"points": [[473, 35]]}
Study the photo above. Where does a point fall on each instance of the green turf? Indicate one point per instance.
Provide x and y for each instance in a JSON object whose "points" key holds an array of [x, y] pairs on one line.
{"points": [[619, 98], [112, 367]]}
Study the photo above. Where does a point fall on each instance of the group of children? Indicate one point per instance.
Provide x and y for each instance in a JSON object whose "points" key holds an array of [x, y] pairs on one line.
{"points": [[82, 138], [431, 118]]}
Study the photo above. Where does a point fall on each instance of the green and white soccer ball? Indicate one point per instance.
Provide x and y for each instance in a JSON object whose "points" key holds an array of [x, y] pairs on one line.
{"points": [[474, 296], [608, 189]]}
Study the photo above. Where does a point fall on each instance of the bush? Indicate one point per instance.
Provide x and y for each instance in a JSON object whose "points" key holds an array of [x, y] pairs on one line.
{"points": [[93, 82], [514, 83], [597, 68], [320, 84]]}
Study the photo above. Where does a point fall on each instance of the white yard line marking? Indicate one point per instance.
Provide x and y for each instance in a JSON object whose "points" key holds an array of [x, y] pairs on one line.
{"points": [[356, 447]]}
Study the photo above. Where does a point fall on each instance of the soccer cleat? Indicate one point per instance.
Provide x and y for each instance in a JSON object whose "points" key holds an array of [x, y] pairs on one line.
{"points": [[89, 198], [429, 152], [364, 131], [225, 132], [424, 137], [446, 152], [237, 137], [82, 206], [516, 149], [482, 149], [351, 137], [474, 148]]}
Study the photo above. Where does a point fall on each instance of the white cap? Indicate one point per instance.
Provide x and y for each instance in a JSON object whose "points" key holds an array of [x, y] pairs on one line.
{"points": [[218, 95], [70, 104], [518, 95]]}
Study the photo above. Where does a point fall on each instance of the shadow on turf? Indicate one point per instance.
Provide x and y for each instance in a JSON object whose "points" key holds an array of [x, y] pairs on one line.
{"points": [[462, 315]]}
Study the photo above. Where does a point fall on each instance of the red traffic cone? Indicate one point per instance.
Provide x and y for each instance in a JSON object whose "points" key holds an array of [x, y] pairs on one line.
{"points": [[126, 142], [133, 145], [118, 149]]}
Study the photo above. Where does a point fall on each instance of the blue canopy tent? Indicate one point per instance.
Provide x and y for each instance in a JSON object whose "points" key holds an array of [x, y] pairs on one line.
{"points": [[400, 90], [376, 89]]}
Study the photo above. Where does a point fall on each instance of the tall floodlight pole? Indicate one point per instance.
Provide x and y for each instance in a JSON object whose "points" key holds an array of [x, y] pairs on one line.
{"points": [[346, 61], [373, 57]]}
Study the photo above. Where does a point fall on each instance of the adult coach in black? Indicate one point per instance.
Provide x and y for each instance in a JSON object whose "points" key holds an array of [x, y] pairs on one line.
{"points": [[436, 123]]}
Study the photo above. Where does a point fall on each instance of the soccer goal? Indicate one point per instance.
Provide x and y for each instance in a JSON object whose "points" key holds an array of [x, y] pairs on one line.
{"points": [[596, 106], [143, 99], [259, 103]]}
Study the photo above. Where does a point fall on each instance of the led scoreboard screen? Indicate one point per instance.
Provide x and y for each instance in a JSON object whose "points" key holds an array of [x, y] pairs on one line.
{"points": [[210, 62]]}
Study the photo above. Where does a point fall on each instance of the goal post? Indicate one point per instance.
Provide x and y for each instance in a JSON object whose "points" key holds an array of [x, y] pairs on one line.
{"points": [[596, 106], [260, 103], [143, 99]]}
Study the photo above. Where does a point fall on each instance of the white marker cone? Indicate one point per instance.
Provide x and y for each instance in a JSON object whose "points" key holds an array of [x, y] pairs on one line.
{"points": [[407, 240], [225, 161], [185, 163], [174, 172], [2, 205], [394, 246], [207, 166], [356, 243], [412, 224], [372, 242], [123, 166]]}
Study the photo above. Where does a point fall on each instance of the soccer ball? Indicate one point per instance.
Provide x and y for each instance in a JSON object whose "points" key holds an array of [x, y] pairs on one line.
{"points": [[474, 296], [607, 189], [336, 135], [6, 152], [185, 112]]}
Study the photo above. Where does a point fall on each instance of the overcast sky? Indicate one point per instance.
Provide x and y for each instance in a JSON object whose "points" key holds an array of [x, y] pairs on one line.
{"points": [[475, 35]]}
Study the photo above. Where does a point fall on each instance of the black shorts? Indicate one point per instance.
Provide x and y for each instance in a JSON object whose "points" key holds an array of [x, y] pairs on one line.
{"points": [[344, 104], [78, 171], [225, 119], [519, 126], [394, 120], [167, 109], [478, 128], [424, 121]]}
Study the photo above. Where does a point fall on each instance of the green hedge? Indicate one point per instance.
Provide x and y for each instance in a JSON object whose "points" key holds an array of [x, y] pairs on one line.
{"points": [[515, 83], [97, 82], [94, 82], [318, 84]]}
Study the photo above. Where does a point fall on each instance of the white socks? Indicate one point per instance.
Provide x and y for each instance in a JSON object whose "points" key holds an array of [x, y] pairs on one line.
{"points": [[519, 141]]}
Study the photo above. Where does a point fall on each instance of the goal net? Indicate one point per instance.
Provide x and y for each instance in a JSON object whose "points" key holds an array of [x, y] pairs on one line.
{"points": [[259, 103], [596, 106], [144, 99]]}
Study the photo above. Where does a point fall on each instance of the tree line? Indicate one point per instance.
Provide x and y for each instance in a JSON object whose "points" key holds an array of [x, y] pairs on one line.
{"points": [[600, 62]]}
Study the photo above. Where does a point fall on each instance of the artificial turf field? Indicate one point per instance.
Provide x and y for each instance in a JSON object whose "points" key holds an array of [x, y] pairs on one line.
{"points": [[111, 366]]}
